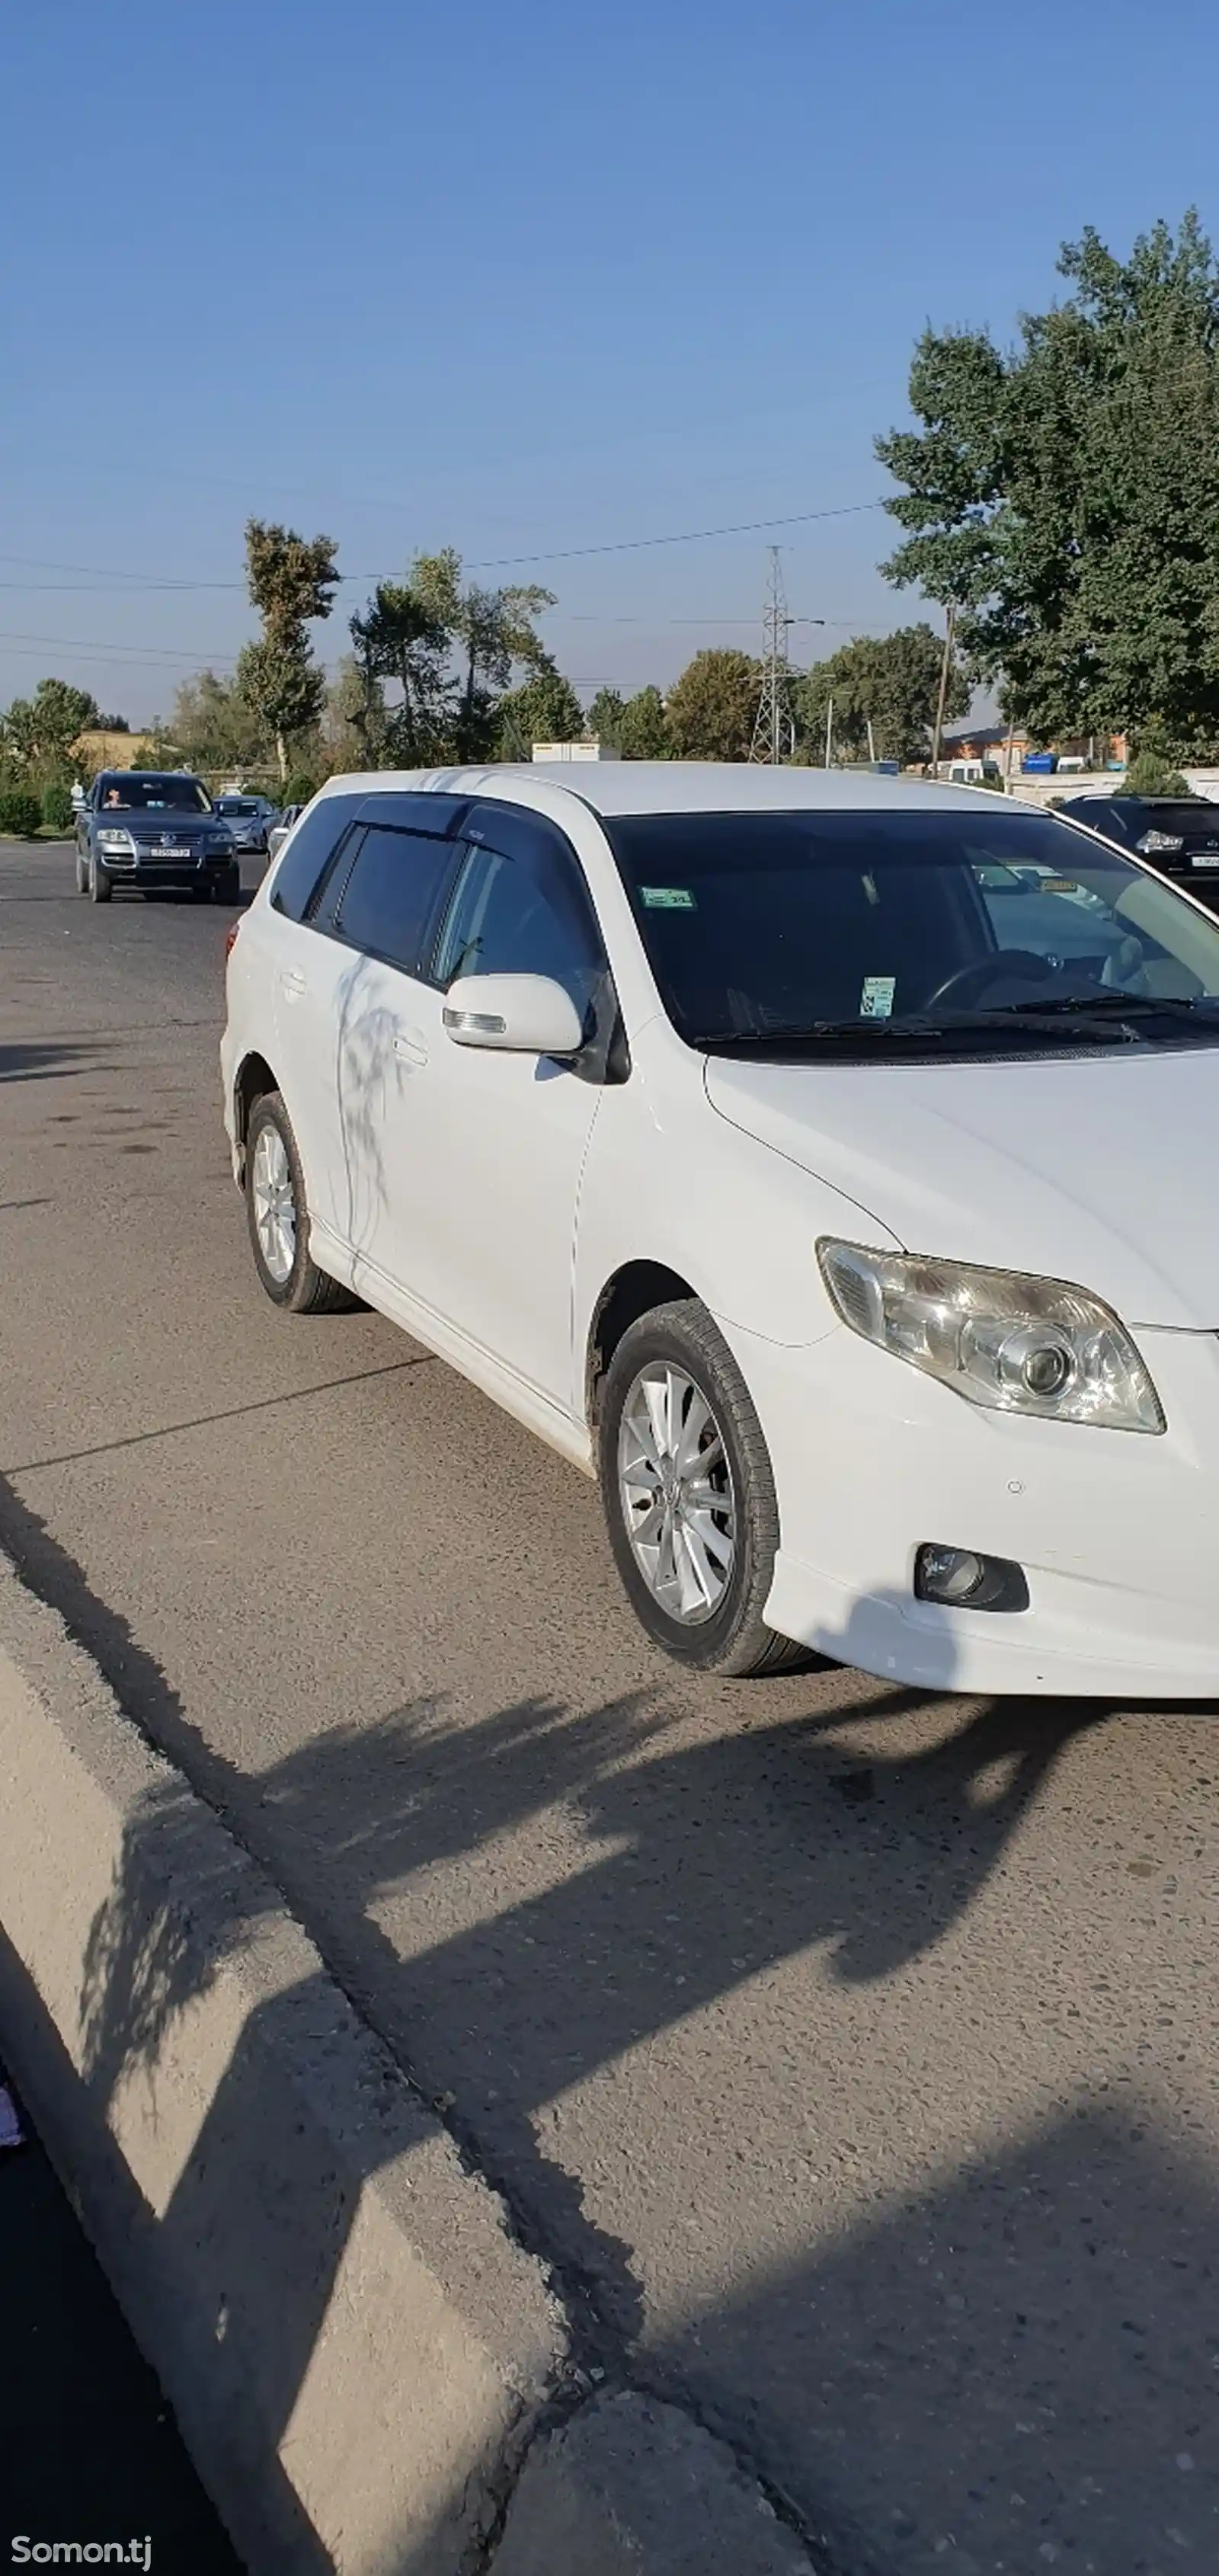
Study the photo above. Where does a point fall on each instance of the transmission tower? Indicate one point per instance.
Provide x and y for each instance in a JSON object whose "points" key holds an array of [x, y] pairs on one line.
{"points": [[774, 732]]}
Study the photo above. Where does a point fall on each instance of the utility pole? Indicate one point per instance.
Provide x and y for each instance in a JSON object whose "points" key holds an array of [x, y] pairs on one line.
{"points": [[829, 735], [774, 732], [945, 667]]}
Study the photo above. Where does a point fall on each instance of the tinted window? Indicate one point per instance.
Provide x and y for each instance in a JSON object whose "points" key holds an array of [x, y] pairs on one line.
{"points": [[825, 924], [304, 859], [388, 904], [522, 909]]}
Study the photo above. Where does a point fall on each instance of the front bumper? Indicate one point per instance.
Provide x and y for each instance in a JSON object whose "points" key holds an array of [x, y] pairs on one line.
{"points": [[1118, 1532], [148, 869]]}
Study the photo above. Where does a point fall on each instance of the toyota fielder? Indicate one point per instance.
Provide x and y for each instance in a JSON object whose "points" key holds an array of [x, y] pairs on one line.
{"points": [[822, 1162]]}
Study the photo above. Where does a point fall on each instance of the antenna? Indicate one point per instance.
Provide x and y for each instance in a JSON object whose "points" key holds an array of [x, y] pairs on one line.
{"points": [[774, 732]]}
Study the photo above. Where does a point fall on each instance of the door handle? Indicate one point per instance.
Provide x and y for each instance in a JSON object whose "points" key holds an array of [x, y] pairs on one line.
{"points": [[293, 983], [409, 1045]]}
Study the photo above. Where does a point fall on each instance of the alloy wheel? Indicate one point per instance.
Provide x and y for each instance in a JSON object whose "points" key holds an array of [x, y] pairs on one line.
{"points": [[676, 1492]]}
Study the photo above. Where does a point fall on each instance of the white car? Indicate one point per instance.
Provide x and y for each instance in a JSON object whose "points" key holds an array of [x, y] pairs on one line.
{"points": [[854, 1225]]}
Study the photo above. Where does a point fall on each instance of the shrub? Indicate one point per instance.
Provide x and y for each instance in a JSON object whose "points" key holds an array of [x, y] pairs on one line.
{"points": [[299, 789], [1148, 775], [58, 810], [20, 811]]}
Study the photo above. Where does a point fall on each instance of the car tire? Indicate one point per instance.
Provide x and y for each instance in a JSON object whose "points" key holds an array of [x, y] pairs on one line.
{"points": [[82, 873], [677, 1358], [277, 1216], [227, 887], [100, 888]]}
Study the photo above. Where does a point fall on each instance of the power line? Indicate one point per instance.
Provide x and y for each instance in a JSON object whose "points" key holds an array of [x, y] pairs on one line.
{"points": [[484, 563], [687, 537]]}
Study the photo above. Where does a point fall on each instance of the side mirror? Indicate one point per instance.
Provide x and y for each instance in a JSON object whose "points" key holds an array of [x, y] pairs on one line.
{"points": [[525, 1014]]}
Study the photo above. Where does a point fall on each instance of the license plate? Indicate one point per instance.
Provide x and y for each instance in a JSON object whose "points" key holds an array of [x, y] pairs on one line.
{"points": [[176, 851], [1204, 859]]}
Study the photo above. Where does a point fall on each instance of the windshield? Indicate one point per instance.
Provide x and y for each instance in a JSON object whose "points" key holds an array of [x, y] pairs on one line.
{"points": [[1012, 927], [243, 805], [146, 795]]}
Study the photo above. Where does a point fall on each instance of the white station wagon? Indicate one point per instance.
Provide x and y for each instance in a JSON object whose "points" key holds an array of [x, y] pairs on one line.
{"points": [[823, 1162]]}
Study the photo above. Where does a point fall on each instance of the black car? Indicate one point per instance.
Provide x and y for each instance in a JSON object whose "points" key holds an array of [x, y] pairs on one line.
{"points": [[149, 829], [1177, 835]]}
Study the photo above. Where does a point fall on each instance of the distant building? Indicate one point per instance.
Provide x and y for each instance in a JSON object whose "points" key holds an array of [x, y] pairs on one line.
{"points": [[112, 750]]}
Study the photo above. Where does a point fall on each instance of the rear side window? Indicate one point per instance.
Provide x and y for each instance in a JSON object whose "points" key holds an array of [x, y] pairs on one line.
{"points": [[390, 901], [307, 853]]}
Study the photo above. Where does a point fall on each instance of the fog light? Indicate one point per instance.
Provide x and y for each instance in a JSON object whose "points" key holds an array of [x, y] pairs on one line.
{"points": [[948, 1573], [959, 1578]]}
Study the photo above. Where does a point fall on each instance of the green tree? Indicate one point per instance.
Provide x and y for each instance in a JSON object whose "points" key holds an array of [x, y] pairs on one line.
{"points": [[37, 734], [713, 707], [545, 708], [891, 681], [491, 633], [643, 733], [400, 637], [1065, 494], [212, 726], [284, 689], [291, 581], [605, 718], [1148, 775]]}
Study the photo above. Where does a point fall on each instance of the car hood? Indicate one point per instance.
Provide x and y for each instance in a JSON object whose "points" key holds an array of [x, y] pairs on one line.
{"points": [[1098, 1170], [173, 827]]}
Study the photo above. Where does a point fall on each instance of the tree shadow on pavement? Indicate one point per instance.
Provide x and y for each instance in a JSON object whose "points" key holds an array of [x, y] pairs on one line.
{"points": [[872, 1861]]}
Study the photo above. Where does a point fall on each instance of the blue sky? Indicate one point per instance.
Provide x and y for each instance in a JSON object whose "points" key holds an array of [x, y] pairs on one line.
{"points": [[524, 279]]}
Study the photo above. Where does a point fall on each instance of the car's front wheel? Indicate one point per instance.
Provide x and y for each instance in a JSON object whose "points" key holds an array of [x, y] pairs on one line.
{"points": [[100, 887], [689, 1495], [278, 1217], [82, 871]]}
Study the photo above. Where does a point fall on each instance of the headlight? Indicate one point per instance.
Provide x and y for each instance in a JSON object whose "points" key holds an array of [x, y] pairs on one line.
{"points": [[117, 841], [1152, 841], [1017, 1344]]}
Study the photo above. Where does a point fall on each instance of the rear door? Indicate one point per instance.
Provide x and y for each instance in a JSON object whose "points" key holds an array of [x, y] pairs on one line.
{"points": [[383, 913], [304, 970]]}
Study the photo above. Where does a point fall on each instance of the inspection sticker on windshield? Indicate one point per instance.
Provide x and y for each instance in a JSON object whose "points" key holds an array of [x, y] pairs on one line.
{"points": [[667, 898], [876, 999]]}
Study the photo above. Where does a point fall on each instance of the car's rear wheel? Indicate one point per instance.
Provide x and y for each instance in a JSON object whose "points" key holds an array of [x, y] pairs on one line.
{"points": [[689, 1495], [82, 873], [278, 1217], [100, 888]]}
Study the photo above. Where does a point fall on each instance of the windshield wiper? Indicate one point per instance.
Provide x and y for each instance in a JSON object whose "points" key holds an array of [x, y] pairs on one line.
{"points": [[878, 1028], [1114, 1005], [956, 1025]]}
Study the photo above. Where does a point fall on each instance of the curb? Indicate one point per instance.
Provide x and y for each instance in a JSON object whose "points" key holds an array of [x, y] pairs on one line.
{"points": [[354, 2347], [367, 2368]]}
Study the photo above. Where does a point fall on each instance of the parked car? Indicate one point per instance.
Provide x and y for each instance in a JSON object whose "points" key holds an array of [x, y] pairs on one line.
{"points": [[1178, 836], [842, 1217], [249, 819], [149, 829], [278, 833]]}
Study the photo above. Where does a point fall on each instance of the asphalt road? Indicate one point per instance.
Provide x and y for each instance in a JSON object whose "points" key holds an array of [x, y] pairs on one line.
{"points": [[851, 2052]]}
